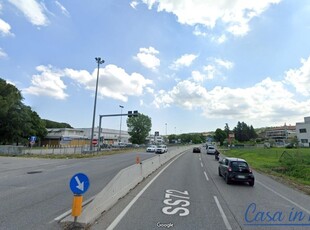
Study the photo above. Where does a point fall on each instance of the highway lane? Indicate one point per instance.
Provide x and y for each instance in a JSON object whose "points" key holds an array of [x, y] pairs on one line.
{"points": [[189, 194], [35, 191]]}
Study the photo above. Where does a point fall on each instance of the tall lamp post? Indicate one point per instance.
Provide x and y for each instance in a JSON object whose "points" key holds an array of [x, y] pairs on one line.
{"points": [[120, 126], [99, 62], [166, 128]]}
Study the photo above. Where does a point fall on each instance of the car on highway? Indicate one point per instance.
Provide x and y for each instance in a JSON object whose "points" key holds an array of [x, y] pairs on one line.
{"points": [[211, 150], [161, 149], [151, 148], [196, 150], [235, 170]]}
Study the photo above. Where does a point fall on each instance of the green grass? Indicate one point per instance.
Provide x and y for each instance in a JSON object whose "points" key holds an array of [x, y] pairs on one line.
{"points": [[290, 164]]}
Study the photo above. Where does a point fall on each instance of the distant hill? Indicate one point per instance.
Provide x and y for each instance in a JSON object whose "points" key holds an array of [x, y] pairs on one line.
{"points": [[53, 124]]}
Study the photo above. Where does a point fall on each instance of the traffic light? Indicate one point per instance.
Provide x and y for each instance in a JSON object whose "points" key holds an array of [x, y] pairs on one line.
{"points": [[133, 114]]}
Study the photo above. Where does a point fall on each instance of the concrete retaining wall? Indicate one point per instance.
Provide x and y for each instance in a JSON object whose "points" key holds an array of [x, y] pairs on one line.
{"points": [[121, 184]]}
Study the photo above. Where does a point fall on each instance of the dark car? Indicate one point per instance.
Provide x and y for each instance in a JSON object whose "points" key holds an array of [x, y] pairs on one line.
{"points": [[196, 150], [235, 169]]}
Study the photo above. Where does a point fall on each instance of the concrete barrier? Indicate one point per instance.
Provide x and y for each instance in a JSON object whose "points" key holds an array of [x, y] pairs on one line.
{"points": [[120, 185]]}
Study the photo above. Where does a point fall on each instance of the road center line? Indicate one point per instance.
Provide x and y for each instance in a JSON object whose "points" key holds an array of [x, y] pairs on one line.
{"points": [[201, 164], [285, 198], [126, 209], [206, 176], [228, 227]]}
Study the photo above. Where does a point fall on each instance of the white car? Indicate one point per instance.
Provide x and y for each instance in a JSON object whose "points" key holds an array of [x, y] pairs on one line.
{"points": [[151, 148], [161, 149], [211, 150]]}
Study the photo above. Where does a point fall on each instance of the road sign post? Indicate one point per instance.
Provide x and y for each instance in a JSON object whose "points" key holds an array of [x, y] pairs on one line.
{"points": [[77, 206], [79, 184]]}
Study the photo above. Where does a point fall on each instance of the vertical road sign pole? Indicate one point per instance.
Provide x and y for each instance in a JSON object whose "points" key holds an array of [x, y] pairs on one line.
{"points": [[79, 184], [77, 206]]}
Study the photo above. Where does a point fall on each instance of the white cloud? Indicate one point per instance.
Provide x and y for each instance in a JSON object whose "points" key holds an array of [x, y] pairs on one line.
{"points": [[33, 11], [2, 53], [62, 8], [221, 39], [300, 78], [134, 4], [114, 82], [5, 28], [233, 15], [224, 63], [185, 60], [47, 83], [147, 58], [185, 94], [266, 101], [118, 84], [198, 31], [198, 76]]}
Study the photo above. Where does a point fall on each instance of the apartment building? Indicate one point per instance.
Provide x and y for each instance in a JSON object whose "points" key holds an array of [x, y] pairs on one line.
{"points": [[303, 132]]}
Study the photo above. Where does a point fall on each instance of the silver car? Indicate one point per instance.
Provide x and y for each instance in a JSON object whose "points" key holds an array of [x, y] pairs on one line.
{"points": [[211, 150]]}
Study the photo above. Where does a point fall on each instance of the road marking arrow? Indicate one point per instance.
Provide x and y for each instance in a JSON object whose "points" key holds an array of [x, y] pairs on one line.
{"points": [[80, 185]]}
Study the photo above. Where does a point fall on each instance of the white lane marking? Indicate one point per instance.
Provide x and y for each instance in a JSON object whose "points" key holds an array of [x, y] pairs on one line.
{"points": [[206, 176], [61, 166], [228, 227], [285, 198], [199, 158], [201, 164], [67, 213], [125, 210]]}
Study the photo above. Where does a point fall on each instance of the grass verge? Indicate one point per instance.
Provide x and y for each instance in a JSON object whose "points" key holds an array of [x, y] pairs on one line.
{"points": [[290, 166]]}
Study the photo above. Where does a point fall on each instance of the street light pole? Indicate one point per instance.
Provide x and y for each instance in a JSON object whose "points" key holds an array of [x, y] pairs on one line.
{"points": [[99, 62], [120, 126], [166, 128]]}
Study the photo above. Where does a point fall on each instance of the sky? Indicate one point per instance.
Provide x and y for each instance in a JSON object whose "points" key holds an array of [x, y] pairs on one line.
{"points": [[190, 65]]}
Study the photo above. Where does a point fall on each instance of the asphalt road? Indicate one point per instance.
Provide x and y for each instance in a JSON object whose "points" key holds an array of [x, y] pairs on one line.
{"points": [[33, 192], [189, 194]]}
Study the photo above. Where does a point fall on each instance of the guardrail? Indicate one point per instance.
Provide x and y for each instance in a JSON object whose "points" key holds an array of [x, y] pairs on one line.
{"points": [[121, 184]]}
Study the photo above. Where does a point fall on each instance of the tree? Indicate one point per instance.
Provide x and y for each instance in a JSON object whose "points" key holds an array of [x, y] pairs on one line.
{"points": [[11, 106], [220, 136], [227, 130], [139, 128], [17, 121], [54, 124], [243, 132]]}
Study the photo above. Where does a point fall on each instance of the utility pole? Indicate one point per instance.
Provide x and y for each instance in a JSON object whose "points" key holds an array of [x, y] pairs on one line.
{"points": [[99, 62], [120, 126]]}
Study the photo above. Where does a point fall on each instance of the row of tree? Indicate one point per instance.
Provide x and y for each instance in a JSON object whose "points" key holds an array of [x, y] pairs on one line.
{"points": [[194, 138], [242, 132], [19, 122]]}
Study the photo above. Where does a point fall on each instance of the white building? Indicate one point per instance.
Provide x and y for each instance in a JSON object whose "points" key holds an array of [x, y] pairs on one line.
{"points": [[108, 136], [303, 132], [81, 136]]}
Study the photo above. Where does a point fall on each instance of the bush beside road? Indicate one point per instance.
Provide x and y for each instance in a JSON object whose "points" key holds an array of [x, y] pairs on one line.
{"points": [[291, 166]]}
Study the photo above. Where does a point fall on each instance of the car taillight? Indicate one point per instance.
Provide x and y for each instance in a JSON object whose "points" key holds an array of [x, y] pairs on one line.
{"points": [[229, 169]]}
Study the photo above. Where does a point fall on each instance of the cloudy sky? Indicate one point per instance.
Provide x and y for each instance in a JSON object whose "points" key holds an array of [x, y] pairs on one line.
{"points": [[191, 64]]}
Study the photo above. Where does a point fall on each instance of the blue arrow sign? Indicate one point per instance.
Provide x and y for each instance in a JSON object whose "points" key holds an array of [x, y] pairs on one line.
{"points": [[79, 183]]}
